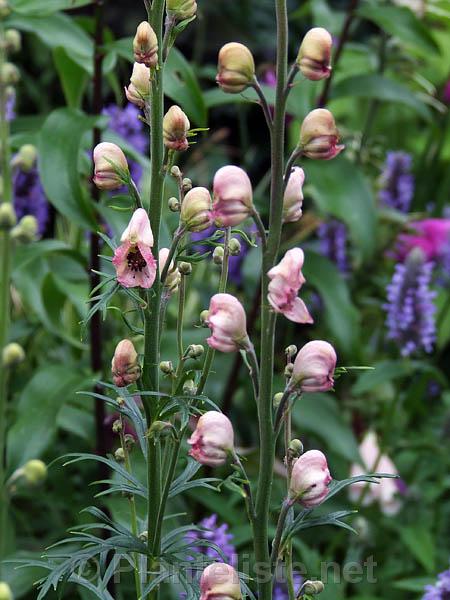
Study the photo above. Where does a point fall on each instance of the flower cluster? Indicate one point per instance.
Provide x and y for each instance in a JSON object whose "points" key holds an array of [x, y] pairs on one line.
{"points": [[333, 243], [28, 194], [397, 182], [210, 530], [440, 590]]}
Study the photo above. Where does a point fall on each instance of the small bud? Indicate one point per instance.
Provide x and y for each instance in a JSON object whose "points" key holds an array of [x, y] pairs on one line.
{"points": [[7, 216], [196, 209], [166, 367], [204, 318], [277, 399], [228, 324], [138, 91], [26, 230], [212, 440], [144, 536], [5, 9], [117, 426], [236, 68], [234, 247], [187, 184], [195, 351], [176, 172], [120, 401], [12, 354], [119, 455], [189, 388], [34, 472], [174, 204], [232, 196], [175, 128], [293, 196], [5, 590], [218, 255], [313, 368], [185, 268], [312, 587], [310, 479], [291, 351], [129, 441], [26, 158], [288, 370], [314, 55], [125, 366], [180, 10], [173, 277], [145, 45], [9, 74], [160, 429], [220, 581], [295, 448], [319, 137], [13, 40], [110, 165]]}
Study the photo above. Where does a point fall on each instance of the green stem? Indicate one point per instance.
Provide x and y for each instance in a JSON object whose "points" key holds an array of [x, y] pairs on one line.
{"points": [[288, 552], [253, 367], [181, 301], [279, 533], [249, 503], [173, 248], [264, 105], [261, 229]]}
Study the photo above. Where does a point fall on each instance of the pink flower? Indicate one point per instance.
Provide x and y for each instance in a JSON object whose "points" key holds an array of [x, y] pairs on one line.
{"points": [[110, 166], [133, 259], [314, 367], [386, 492], [220, 581], [433, 236], [286, 279], [319, 137], [228, 323], [125, 367], [233, 196], [314, 55], [310, 479], [293, 196], [212, 440]]}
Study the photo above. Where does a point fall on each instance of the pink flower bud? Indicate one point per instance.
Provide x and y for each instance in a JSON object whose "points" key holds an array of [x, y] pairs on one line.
{"points": [[212, 440], [133, 259], [236, 68], [175, 128], [195, 211], [138, 92], [228, 324], [173, 276], [319, 137], [293, 196], [233, 196], [125, 367], [145, 45], [315, 54], [181, 9], [110, 166], [286, 279], [220, 581], [314, 367], [310, 479]]}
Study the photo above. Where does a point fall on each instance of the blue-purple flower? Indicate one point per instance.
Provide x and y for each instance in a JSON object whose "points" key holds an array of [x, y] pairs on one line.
{"points": [[333, 243], [410, 309], [29, 196], [217, 534], [280, 589], [10, 113], [397, 182], [440, 590]]}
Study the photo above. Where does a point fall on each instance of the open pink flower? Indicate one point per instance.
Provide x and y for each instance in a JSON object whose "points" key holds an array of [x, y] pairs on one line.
{"points": [[220, 581], [432, 237], [286, 279], [310, 479], [228, 324], [212, 440], [133, 259], [233, 196]]}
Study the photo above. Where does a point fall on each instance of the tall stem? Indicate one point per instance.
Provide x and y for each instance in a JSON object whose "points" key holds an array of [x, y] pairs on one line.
{"points": [[265, 418]]}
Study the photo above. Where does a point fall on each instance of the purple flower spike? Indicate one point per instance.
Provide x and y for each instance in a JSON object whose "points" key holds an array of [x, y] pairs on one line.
{"points": [[29, 197], [440, 590], [333, 243], [217, 534], [397, 182]]}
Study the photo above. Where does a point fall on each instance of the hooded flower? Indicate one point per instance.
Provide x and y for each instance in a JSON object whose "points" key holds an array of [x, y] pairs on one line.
{"points": [[319, 137], [233, 196], [228, 324], [133, 259], [293, 196], [314, 55], [286, 279], [310, 479], [314, 367], [212, 439], [125, 368], [220, 581]]}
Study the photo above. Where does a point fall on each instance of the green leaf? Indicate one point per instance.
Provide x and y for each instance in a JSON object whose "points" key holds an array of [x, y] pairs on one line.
{"points": [[341, 316], [181, 85], [414, 584], [37, 410], [73, 78], [386, 370], [45, 7], [402, 23], [59, 147], [339, 188], [381, 88], [420, 542]]}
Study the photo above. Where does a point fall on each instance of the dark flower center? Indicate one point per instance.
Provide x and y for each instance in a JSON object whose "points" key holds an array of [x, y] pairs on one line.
{"points": [[135, 260]]}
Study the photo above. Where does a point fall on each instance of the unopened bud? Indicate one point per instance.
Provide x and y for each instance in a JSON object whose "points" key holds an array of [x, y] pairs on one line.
{"points": [[173, 276], [120, 401], [175, 172], [26, 158], [7, 216], [319, 137], [129, 441], [313, 369], [166, 367], [119, 455], [195, 350], [13, 40], [9, 74], [204, 318], [138, 91], [212, 441], [26, 230], [312, 587], [125, 366], [174, 204], [310, 479], [187, 184], [12, 354], [5, 9], [196, 209], [5, 590], [277, 399], [189, 388], [295, 448], [110, 166], [145, 45], [160, 429], [236, 68], [185, 268], [181, 10], [293, 196], [288, 370], [314, 54], [291, 351], [34, 471], [117, 426], [175, 128], [218, 255], [234, 246], [144, 536]]}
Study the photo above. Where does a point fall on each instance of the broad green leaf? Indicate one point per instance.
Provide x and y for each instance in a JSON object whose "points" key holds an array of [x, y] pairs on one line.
{"points": [[45, 7], [340, 189], [414, 584], [59, 147], [37, 410], [341, 316], [419, 541], [386, 370], [380, 88], [73, 77], [402, 23], [181, 85]]}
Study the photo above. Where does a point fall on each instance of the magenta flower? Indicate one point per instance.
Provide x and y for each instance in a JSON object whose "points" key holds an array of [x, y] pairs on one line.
{"points": [[432, 237], [133, 259], [286, 281], [314, 367], [220, 581], [228, 324], [233, 196], [310, 479], [212, 440]]}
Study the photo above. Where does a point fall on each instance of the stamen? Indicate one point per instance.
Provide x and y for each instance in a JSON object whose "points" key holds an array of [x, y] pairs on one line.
{"points": [[135, 260]]}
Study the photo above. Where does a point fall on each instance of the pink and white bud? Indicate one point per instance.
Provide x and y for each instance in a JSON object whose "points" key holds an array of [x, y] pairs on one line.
{"points": [[180, 10], [195, 213], [286, 279], [138, 91], [213, 439], [310, 479], [319, 137], [133, 259], [314, 55], [175, 128], [220, 581], [293, 196], [173, 276], [145, 45], [232, 196], [236, 68], [125, 366], [110, 166], [228, 324], [314, 367]]}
